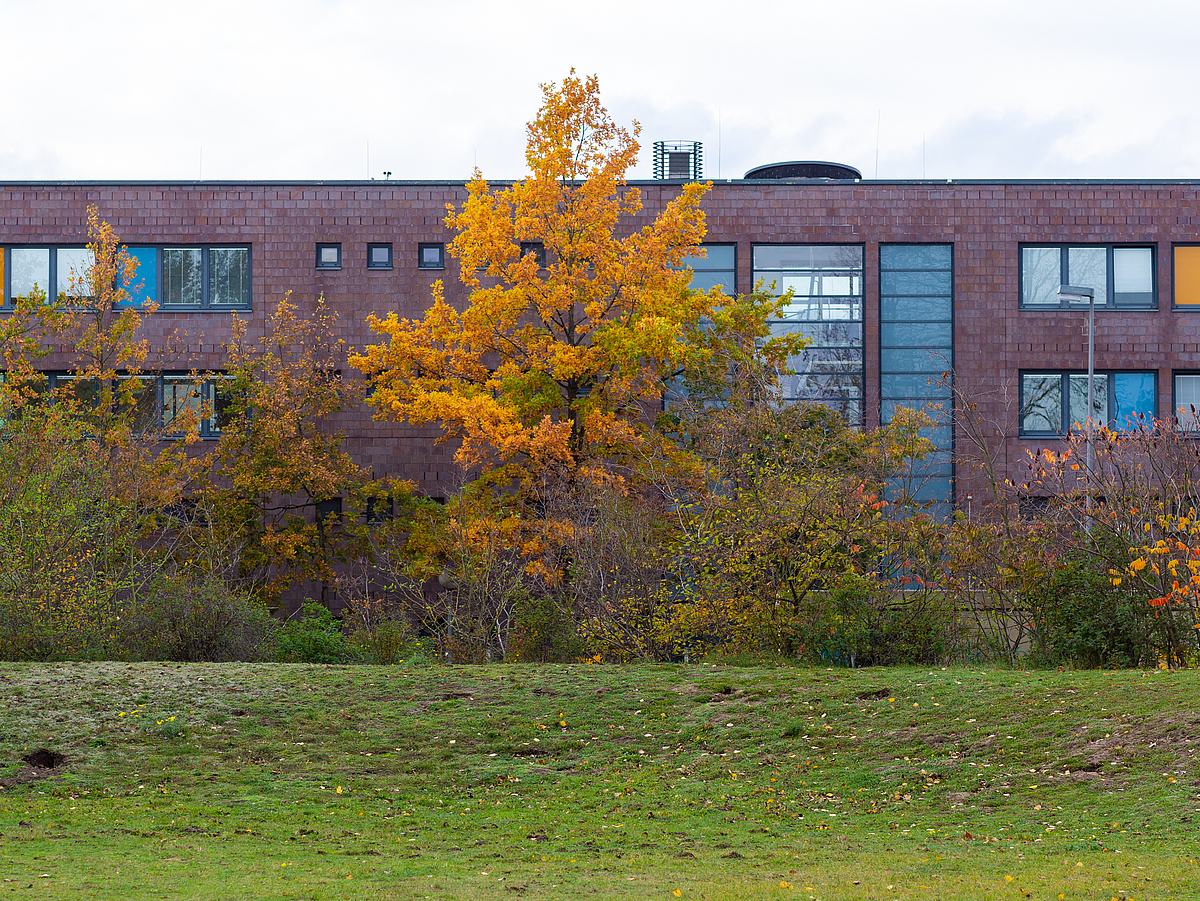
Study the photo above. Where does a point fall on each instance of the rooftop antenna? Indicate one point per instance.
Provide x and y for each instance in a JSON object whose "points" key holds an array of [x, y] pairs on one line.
{"points": [[878, 116], [387, 176]]}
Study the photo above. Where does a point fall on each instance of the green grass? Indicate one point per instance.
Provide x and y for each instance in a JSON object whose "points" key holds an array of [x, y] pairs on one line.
{"points": [[597, 781]]}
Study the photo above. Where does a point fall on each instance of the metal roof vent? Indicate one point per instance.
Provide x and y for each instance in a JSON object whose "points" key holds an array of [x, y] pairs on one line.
{"points": [[805, 169], [679, 160]]}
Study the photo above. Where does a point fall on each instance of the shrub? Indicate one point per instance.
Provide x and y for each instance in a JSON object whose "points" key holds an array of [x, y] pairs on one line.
{"points": [[543, 632], [186, 620], [312, 637], [1081, 619]]}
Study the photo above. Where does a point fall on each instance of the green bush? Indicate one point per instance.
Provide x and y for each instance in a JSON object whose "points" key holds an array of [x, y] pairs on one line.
{"points": [[387, 642], [186, 620], [1081, 619], [312, 637], [542, 632]]}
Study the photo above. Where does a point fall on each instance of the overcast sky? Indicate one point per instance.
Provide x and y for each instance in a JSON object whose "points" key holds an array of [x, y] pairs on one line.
{"points": [[298, 89]]}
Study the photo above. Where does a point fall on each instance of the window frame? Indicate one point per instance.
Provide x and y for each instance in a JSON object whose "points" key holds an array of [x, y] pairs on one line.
{"points": [[380, 245], [1065, 398], [734, 270], [326, 245], [439, 246], [538, 248], [1189, 431], [1175, 306], [208, 428], [1109, 302]]}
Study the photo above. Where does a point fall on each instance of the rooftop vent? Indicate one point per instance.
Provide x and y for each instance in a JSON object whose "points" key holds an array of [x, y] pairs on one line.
{"points": [[804, 169], [679, 159]]}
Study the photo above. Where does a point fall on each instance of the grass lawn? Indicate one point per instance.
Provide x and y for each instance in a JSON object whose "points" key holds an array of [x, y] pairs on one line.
{"points": [[523, 782]]}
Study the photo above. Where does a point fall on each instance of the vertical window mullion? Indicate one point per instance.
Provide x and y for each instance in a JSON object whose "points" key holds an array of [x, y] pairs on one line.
{"points": [[1111, 300], [204, 278], [53, 277], [1065, 390]]}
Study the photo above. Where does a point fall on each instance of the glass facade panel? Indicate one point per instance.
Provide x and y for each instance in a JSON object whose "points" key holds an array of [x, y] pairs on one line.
{"points": [[182, 403], [826, 307], [74, 272], [918, 385], [1041, 275], [1133, 399], [914, 359], [1041, 404], [229, 276], [1077, 415], [915, 256], [1087, 267], [918, 283], [181, 276], [914, 309], [916, 334], [30, 269]]}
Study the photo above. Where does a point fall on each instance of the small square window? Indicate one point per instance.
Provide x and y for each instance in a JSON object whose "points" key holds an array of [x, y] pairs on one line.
{"points": [[537, 248], [329, 256], [379, 256], [431, 256]]}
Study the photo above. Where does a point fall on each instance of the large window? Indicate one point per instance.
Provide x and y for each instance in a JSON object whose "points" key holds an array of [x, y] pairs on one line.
{"points": [[718, 267], [172, 277], [1055, 403], [166, 402], [1186, 272], [826, 307], [1121, 276]]}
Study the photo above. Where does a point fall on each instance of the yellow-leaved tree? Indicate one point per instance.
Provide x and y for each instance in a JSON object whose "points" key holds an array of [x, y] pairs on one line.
{"points": [[571, 328], [579, 319]]}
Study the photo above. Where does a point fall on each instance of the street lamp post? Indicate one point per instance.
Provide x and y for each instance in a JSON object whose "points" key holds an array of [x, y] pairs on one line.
{"points": [[1067, 295]]}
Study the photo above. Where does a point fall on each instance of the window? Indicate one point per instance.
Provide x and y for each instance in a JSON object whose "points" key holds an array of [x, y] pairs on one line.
{"points": [[1121, 276], [1054, 403], [537, 248], [1186, 271], [717, 268], [379, 256], [171, 402], [173, 277], [827, 309], [379, 510], [431, 256], [1187, 400], [329, 256]]}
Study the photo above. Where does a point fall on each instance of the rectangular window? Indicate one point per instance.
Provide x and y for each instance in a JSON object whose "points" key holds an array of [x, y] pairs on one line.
{"points": [[143, 281], [537, 248], [431, 256], [1187, 276], [73, 272], [379, 256], [826, 307], [29, 268], [1055, 403], [181, 276], [1122, 277], [182, 403], [229, 276], [1187, 401], [716, 269], [329, 256]]}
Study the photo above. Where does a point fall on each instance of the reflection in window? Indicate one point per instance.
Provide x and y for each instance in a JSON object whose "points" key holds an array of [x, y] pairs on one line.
{"points": [[1120, 276], [229, 276], [717, 268], [30, 269], [826, 307], [74, 272], [181, 276], [1187, 401], [1055, 403]]}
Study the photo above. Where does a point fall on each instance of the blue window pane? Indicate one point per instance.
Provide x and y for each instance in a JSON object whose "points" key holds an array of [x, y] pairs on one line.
{"points": [[913, 360], [912, 386], [915, 283], [143, 287], [915, 334], [702, 281], [914, 256], [716, 256], [914, 309], [1133, 399]]}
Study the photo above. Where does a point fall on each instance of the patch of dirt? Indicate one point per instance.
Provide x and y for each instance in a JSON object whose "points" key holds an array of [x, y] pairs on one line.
{"points": [[45, 759]]}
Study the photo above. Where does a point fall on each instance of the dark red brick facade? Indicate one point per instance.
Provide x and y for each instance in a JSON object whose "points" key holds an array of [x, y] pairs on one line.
{"points": [[985, 222]]}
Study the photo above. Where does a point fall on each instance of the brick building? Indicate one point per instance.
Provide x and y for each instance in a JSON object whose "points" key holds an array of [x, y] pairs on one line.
{"points": [[896, 282]]}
